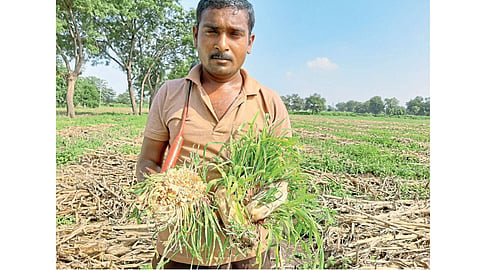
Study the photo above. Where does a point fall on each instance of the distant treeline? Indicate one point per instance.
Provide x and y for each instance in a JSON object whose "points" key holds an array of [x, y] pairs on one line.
{"points": [[375, 105], [92, 92]]}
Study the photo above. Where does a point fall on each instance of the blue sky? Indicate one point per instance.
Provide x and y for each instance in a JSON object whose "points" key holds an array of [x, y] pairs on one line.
{"points": [[342, 49]]}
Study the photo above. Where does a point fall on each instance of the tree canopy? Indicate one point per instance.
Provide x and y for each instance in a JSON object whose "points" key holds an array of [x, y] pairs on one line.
{"points": [[142, 37], [75, 35], [90, 92], [147, 39]]}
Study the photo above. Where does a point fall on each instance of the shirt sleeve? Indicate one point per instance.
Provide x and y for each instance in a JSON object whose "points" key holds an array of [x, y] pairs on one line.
{"points": [[156, 128], [281, 119]]}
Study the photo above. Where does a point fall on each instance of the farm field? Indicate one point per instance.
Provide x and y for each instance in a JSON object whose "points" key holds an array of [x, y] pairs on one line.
{"points": [[372, 176]]}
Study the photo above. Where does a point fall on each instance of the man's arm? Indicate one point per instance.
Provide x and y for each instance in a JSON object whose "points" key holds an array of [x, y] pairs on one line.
{"points": [[151, 157]]}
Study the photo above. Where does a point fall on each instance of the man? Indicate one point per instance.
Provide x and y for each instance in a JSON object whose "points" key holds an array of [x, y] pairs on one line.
{"points": [[222, 96]]}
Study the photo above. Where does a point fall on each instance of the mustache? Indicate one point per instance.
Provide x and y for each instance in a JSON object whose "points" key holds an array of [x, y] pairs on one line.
{"points": [[221, 56]]}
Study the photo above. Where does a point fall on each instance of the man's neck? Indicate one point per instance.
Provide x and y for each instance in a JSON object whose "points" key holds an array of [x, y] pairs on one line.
{"points": [[211, 83]]}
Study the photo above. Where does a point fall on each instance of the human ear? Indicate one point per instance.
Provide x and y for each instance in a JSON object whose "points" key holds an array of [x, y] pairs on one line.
{"points": [[250, 43], [195, 36]]}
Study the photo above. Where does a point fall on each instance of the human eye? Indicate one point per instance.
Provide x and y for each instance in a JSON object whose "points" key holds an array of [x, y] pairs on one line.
{"points": [[237, 33], [210, 31]]}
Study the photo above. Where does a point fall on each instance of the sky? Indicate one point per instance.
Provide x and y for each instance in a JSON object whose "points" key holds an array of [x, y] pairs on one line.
{"points": [[343, 49], [28, 83]]}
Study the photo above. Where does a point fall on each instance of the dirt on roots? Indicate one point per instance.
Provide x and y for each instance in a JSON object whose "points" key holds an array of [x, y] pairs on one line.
{"points": [[94, 231]]}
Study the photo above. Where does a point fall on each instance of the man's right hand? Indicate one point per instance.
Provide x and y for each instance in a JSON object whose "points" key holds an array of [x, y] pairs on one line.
{"points": [[151, 157]]}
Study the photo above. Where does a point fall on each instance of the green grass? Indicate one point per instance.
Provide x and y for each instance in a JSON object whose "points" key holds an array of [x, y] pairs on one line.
{"points": [[93, 131], [351, 144], [357, 145], [65, 220], [382, 146], [340, 144]]}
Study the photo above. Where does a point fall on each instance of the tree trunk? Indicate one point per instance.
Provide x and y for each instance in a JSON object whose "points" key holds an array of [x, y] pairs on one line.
{"points": [[131, 91], [142, 91], [141, 103], [152, 95], [71, 80], [153, 90], [141, 97]]}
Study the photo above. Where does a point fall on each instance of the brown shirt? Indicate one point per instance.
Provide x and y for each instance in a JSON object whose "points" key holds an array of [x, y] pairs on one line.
{"points": [[203, 126]]}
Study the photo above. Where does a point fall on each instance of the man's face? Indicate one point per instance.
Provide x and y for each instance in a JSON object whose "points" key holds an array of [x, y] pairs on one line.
{"points": [[223, 41]]}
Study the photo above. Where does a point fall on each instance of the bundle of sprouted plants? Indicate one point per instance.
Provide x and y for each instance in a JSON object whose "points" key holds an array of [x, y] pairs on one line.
{"points": [[261, 185], [178, 200], [263, 181]]}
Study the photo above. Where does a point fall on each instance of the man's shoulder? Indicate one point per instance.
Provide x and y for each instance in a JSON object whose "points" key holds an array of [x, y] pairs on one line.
{"points": [[172, 87], [254, 86], [268, 93], [170, 90], [267, 90], [175, 83]]}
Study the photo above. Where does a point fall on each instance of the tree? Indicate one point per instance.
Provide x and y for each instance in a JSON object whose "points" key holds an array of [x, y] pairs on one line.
{"points": [[131, 29], [106, 94], [293, 102], [351, 105], [90, 92], [363, 107], [123, 98], [315, 103], [392, 107], [415, 106], [426, 106], [375, 105], [87, 94], [286, 101], [61, 88], [398, 110], [297, 103], [170, 56], [341, 106], [74, 35]]}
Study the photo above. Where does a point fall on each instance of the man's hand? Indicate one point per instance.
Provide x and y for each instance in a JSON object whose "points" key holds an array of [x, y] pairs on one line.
{"points": [[277, 193], [233, 214], [150, 157], [230, 211], [235, 218]]}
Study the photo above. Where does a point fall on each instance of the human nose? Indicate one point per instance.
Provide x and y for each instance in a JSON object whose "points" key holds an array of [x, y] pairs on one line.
{"points": [[222, 43]]}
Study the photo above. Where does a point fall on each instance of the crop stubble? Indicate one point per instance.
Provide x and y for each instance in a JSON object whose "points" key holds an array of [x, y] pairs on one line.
{"points": [[375, 225]]}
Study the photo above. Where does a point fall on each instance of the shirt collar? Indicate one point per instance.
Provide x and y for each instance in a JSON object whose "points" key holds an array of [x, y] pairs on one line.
{"points": [[250, 85]]}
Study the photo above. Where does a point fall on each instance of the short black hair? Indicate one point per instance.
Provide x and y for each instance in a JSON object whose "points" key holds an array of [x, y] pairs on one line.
{"points": [[238, 4]]}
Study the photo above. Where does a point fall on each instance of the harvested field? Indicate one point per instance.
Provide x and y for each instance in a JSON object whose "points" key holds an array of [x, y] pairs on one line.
{"points": [[92, 195], [379, 218]]}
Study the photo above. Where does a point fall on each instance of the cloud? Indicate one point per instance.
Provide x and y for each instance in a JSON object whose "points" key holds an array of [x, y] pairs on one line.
{"points": [[322, 63], [289, 74]]}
